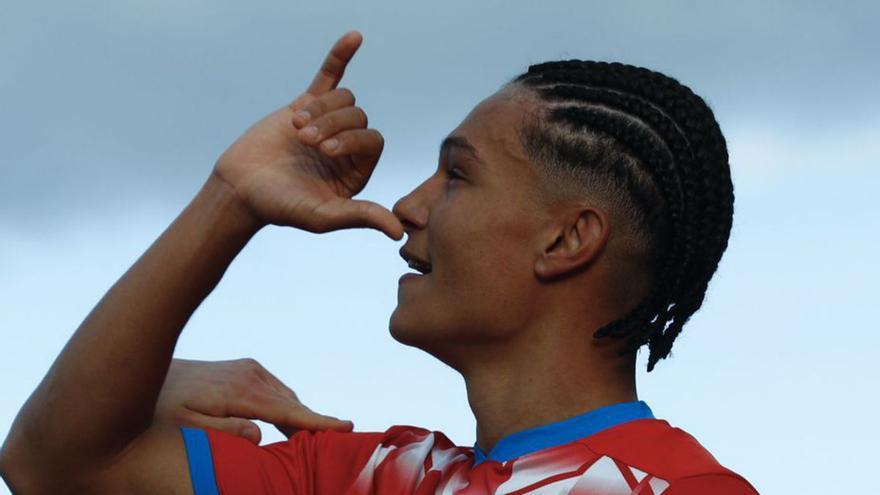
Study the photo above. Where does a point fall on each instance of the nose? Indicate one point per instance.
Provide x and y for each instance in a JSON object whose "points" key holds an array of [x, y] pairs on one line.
{"points": [[412, 210]]}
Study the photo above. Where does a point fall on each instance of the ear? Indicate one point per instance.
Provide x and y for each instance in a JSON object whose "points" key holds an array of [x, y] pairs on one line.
{"points": [[575, 244]]}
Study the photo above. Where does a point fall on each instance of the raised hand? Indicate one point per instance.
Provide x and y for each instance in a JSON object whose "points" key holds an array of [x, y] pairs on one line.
{"points": [[226, 395], [301, 165]]}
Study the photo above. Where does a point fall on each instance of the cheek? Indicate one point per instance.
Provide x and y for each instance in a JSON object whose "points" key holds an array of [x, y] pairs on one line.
{"points": [[487, 271]]}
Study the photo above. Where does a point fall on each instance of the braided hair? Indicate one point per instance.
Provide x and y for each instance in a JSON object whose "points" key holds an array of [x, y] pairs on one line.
{"points": [[647, 148]]}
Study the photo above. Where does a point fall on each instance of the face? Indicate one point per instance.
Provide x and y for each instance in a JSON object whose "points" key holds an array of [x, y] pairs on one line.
{"points": [[475, 221]]}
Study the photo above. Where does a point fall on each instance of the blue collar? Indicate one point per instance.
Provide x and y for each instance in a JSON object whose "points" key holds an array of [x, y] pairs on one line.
{"points": [[566, 431]]}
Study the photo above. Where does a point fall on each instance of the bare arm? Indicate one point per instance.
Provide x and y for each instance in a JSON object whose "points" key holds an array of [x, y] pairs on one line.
{"points": [[98, 396], [87, 426]]}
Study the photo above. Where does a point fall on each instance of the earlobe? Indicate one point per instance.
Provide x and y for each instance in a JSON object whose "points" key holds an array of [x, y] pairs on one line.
{"points": [[575, 246]]}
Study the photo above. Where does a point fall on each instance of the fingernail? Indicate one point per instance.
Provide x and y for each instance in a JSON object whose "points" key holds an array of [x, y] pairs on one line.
{"points": [[303, 115], [331, 144], [310, 131]]}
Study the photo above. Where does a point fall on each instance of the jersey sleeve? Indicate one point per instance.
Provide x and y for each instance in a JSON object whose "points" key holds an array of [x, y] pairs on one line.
{"points": [[308, 463], [716, 484]]}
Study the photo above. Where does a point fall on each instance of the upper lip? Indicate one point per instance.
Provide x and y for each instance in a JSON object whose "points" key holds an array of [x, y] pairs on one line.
{"points": [[414, 261]]}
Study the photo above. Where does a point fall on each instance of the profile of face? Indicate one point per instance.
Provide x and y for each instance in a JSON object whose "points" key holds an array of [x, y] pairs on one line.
{"points": [[476, 220]]}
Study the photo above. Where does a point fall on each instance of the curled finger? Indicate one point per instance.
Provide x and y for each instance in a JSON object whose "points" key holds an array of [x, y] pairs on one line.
{"points": [[367, 142], [328, 102], [239, 427], [332, 123]]}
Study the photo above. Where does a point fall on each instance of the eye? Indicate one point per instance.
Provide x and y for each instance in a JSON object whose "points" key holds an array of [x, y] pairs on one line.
{"points": [[451, 173]]}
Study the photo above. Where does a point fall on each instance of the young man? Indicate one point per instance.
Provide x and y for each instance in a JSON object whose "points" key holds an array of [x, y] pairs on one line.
{"points": [[576, 214]]}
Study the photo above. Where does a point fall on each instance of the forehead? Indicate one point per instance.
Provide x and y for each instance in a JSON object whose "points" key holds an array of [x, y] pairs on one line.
{"points": [[492, 128]]}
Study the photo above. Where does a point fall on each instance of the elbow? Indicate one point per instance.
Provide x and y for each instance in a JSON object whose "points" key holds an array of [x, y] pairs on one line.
{"points": [[15, 467], [27, 469], [10, 471]]}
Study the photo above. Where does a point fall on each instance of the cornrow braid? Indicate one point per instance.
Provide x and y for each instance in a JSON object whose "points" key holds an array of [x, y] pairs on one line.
{"points": [[640, 131]]}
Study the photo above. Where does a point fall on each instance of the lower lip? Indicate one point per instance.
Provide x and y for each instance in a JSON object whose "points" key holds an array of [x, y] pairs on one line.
{"points": [[408, 277]]}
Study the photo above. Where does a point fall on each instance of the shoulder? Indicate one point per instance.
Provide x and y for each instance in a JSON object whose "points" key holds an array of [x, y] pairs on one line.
{"points": [[354, 448], [329, 461], [716, 484], [653, 448], [415, 447]]}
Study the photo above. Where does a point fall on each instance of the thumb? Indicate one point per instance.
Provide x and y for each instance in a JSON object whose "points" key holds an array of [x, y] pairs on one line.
{"points": [[239, 427], [355, 213]]}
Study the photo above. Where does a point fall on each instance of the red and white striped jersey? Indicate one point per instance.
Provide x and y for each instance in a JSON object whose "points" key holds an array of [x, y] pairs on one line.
{"points": [[639, 456]]}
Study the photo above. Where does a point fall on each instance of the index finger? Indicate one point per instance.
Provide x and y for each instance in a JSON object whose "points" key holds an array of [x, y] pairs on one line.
{"points": [[331, 70]]}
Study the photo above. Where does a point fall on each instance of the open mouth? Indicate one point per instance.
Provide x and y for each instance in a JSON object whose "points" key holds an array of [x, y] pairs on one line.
{"points": [[418, 264], [420, 267]]}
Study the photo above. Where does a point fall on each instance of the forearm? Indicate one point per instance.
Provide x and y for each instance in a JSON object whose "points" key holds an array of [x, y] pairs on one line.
{"points": [[102, 389]]}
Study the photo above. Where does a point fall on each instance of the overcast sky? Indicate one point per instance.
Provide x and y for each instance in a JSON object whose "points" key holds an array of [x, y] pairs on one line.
{"points": [[112, 114]]}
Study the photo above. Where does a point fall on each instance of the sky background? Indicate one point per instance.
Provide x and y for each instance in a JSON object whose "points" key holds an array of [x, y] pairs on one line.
{"points": [[112, 114]]}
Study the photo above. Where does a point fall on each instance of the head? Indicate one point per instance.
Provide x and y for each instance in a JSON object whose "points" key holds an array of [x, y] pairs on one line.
{"points": [[592, 196]]}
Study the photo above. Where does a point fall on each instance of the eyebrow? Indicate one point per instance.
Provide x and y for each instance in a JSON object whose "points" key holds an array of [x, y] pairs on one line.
{"points": [[461, 143]]}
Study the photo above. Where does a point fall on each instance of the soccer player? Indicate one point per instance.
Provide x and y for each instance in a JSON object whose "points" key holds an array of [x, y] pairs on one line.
{"points": [[576, 215]]}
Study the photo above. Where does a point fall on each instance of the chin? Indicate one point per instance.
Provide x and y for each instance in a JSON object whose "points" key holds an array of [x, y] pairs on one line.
{"points": [[403, 331], [412, 333], [424, 338]]}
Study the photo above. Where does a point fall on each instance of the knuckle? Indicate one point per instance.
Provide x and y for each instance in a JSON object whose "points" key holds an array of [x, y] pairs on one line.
{"points": [[331, 68], [249, 363], [342, 143], [378, 138], [301, 101], [325, 125], [347, 94], [241, 427], [361, 115], [317, 107], [255, 376]]}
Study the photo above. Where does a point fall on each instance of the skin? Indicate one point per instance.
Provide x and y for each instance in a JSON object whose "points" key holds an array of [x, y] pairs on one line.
{"points": [[89, 425], [519, 284], [226, 395]]}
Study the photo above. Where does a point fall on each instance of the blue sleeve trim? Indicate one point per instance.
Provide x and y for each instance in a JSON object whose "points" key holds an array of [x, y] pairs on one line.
{"points": [[201, 464]]}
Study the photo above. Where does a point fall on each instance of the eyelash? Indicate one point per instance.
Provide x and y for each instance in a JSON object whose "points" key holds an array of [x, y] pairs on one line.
{"points": [[451, 174]]}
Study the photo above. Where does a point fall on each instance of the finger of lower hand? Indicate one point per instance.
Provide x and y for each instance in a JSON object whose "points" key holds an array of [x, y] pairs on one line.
{"points": [[239, 427], [333, 100], [278, 409], [305, 419], [287, 431], [333, 123]]}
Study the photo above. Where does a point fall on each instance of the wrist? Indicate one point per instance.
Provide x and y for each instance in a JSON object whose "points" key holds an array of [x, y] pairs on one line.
{"points": [[233, 210]]}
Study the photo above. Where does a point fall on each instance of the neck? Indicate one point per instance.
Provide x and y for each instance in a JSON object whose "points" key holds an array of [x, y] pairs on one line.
{"points": [[541, 383]]}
